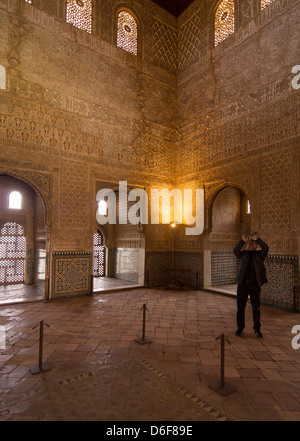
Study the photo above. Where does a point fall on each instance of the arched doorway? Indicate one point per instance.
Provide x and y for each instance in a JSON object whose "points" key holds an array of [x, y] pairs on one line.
{"points": [[99, 255], [22, 242]]}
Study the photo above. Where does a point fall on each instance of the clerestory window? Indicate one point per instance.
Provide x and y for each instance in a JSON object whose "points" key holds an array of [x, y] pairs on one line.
{"points": [[224, 20], [127, 32], [15, 200], [265, 3], [79, 14]]}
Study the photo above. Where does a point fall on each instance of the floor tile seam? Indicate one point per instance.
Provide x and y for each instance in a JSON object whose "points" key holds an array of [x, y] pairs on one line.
{"points": [[187, 394]]}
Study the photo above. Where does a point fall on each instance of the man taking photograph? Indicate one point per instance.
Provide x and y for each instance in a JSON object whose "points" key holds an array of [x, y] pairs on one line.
{"points": [[251, 275]]}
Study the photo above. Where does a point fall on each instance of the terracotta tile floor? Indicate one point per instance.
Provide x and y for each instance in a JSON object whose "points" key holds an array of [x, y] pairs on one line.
{"points": [[99, 372]]}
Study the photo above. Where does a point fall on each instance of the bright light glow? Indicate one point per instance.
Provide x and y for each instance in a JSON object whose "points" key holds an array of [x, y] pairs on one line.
{"points": [[15, 200], [102, 208], [265, 3], [248, 207], [2, 78]]}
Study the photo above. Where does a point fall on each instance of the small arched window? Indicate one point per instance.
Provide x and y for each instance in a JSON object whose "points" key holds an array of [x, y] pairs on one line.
{"points": [[102, 207], [15, 200], [248, 207], [79, 14], [127, 33], [224, 20]]}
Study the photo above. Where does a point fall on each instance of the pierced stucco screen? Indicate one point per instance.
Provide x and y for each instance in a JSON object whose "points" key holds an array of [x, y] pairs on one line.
{"points": [[12, 253], [127, 32], [79, 14], [265, 3], [224, 20]]}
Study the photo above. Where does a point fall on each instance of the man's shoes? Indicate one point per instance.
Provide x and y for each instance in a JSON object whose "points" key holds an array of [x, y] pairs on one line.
{"points": [[258, 334], [238, 333]]}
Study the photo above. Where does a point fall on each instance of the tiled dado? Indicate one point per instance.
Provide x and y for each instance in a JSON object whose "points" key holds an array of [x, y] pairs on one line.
{"points": [[71, 274], [224, 267], [282, 288]]}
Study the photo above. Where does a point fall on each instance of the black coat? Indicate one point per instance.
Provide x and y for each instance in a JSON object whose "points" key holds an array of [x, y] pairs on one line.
{"points": [[258, 260]]}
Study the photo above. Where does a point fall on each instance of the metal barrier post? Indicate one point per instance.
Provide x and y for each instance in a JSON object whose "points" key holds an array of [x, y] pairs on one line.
{"points": [[220, 387], [41, 366], [143, 340]]}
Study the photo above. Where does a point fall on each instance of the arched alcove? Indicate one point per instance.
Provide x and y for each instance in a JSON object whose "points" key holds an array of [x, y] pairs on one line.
{"points": [[231, 212], [229, 218], [22, 209]]}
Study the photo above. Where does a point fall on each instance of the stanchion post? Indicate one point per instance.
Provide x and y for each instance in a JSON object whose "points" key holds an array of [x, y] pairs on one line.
{"points": [[41, 366], [143, 340], [221, 387]]}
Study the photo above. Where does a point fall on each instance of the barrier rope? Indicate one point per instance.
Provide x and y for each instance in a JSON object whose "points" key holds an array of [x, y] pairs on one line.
{"points": [[257, 364]]}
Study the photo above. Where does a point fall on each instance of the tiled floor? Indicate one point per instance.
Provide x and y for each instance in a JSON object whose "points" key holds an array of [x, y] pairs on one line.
{"points": [[110, 283], [99, 372], [21, 293]]}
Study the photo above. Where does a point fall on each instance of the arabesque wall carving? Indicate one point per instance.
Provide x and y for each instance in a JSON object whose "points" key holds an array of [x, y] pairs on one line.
{"points": [[77, 110]]}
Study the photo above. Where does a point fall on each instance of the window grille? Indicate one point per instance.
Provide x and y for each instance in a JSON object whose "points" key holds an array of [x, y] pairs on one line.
{"points": [[99, 255], [79, 14], [224, 20], [127, 32], [12, 254], [265, 3]]}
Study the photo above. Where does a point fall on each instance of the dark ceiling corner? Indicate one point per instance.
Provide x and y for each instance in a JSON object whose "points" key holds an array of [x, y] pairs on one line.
{"points": [[175, 7]]}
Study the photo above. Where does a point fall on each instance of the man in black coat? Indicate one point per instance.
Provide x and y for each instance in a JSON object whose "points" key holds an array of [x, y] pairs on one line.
{"points": [[251, 275]]}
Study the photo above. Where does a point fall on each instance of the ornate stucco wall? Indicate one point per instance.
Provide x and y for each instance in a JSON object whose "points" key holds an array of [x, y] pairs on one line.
{"points": [[77, 112]]}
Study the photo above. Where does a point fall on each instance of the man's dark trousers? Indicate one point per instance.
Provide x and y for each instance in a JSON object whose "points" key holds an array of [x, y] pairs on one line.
{"points": [[243, 291]]}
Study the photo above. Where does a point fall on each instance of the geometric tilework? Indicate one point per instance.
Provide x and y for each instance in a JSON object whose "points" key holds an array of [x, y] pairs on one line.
{"points": [[224, 267], [282, 288], [71, 274]]}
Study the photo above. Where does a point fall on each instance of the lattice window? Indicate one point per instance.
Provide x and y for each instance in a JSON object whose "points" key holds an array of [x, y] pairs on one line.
{"points": [[79, 14], [127, 32], [12, 253], [265, 3], [224, 20], [15, 200], [99, 255]]}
